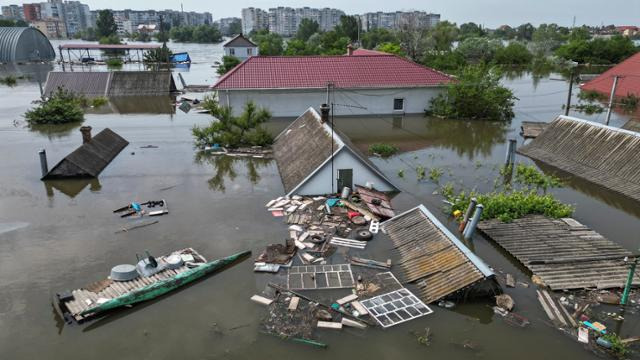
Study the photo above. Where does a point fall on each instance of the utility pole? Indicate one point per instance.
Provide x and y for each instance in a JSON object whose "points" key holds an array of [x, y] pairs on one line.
{"points": [[566, 109], [627, 287], [611, 97]]}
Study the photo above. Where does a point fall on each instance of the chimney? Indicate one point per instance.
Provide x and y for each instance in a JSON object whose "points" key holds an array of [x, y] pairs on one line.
{"points": [[86, 134], [324, 113], [349, 49]]}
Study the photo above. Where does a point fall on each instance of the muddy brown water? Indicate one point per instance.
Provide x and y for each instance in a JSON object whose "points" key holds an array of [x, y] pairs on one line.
{"points": [[60, 235]]}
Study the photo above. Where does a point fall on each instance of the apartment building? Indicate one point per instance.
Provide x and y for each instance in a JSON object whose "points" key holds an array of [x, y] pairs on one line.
{"points": [[398, 19]]}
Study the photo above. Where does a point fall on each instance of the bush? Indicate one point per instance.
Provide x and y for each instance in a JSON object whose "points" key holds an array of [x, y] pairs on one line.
{"points": [[158, 55], [597, 51], [9, 80], [534, 179], [114, 63], [228, 63], [513, 54], [383, 150], [476, 95], [233, 131], [62, 107]]}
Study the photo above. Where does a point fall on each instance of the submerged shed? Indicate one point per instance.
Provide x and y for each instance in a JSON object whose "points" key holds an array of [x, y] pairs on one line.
{"points": [[431, 256], [112, 83], [23, 44], [315, 159], [604, 155], [91, 157]]}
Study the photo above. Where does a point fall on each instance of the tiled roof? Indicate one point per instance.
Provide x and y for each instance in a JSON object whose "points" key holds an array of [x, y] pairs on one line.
{"points": [[362, 71], [360, 52], [628, 81]]}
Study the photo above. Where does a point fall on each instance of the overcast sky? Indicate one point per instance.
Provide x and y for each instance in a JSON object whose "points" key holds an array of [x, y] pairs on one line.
{"points": [[491, 13]]}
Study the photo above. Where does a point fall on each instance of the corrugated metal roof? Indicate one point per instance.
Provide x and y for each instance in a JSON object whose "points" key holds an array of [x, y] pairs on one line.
{"points": [[110, 46], [601, 154], [116, 83], [23, 44], [90, 84], [432, 255], [90, 158], [362, 71], [563, 252], [628, 81]]}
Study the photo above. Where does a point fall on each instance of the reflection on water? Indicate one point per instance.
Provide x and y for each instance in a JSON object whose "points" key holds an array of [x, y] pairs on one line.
{"points": [[409, 133], [225, 168], [56, 131], [33, 72], [71, 187], [139, 105]]}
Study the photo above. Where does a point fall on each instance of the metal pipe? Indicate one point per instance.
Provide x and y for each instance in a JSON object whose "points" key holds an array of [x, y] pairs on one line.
{"points": [[627, 287], [467, 214], [611, 97], [470, 229], [44, 168]]}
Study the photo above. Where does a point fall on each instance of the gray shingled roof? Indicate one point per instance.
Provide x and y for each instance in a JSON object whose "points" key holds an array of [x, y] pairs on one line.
{"points": [[90, 158], [239, 41], [301, 148], [112, 83]]}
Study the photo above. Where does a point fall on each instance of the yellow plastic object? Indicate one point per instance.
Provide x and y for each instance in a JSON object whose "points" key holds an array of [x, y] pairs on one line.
{"points": [[457, 213]]}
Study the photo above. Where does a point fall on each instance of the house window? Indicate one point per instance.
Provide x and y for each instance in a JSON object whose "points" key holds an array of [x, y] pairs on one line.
{"points": [[249, 51], [398, 104], [232, 51]]}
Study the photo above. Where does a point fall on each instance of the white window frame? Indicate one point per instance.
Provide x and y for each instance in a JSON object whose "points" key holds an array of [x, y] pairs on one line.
{"points": [[394, 104]]}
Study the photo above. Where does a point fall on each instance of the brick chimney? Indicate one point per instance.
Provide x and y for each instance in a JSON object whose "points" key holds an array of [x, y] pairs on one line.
{"points": [[349, 49], [86, 134], [324, 113]]}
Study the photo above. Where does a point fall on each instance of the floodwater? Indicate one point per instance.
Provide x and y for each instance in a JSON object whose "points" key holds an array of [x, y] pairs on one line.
{"points": [[61, 235]]}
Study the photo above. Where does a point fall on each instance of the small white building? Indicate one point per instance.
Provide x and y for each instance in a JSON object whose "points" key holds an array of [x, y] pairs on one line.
{"points": [[240, 47], [363, 82], [314, 159]]}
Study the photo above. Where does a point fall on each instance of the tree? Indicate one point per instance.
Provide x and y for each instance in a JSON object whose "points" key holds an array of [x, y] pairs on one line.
{"points": [[228, 63], [307, 28], [476, 95], [470, 29], [580, 33], [447, 61], [513, 54], [598, 51], [203, 34], [548, 37], [349, 26], [332, 43], [13, 23], [105, 24], [391, 48], [297, 47], [505, 32], [159, 55], [525, 32], [371, 39], [442, 36], [477, 49], [235, 28], [413, 38], [62, 107], [268, 43], [233, 131]]}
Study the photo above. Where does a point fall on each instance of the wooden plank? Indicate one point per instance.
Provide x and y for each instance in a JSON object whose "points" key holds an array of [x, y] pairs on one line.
{"points": [[329, 325], [293, 304], [347, 299]]}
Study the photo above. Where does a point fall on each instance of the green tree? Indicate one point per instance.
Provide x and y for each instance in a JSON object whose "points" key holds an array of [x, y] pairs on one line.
{"points": [[105, 24], [233, 131], [228, 63], [391, 48], [268, 43], [513, 54], [234, 28], [206, 34], [160, 55], [442, 36], [349, 27], [333, 43], [505, 32], [447, 61], [61, 107], [598, 51], [297, 47], [12, 23], [307, 28], [477, 49], [580, 33], [524, 32], [470, 29], [476, 95], [374, 37]]}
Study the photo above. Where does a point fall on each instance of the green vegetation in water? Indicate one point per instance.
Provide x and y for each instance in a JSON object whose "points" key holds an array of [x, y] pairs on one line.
{"points": [[590, 96], [114, 63], [62, 107], [401, 173], [203, 34], [9, 80], [589, 109], [507, 206], [233, 131], [421, 172], [382, 149], [228, 63], [477, 94], [530, 177], [98, 101], [435, 174], [629, 103], [161, 55], [617, 346]]}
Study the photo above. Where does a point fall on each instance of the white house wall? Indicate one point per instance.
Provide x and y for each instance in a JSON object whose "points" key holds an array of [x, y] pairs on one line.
{"points": [[320, 183], [293, 102], [241, 53]]}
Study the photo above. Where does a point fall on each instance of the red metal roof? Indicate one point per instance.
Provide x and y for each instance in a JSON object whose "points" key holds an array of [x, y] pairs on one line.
{"points": [[110, 46], [628, 81], [363, 71]]}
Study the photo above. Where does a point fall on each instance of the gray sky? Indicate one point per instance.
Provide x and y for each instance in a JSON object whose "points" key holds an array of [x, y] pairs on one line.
{"points": [[491, 13]]}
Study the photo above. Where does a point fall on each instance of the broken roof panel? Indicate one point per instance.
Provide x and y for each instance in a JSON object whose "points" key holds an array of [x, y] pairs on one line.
{"points": [[90, 158], [431, 255]]}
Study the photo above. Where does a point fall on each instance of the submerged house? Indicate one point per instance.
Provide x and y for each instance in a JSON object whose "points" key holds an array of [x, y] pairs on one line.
{"points": [[313, 158], [628, 80], [366, 82], [24, 44], [240, 47], [91, 157], [112, 83]]}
